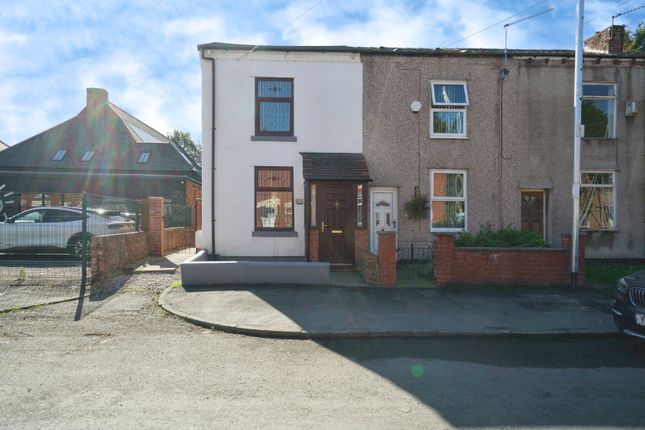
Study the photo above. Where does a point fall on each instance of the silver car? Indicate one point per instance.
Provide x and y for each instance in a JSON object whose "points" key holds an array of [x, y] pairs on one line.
{"points": [[57, 229]]}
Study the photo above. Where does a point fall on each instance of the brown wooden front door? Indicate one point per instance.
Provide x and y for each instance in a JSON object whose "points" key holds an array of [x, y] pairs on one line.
{"points": [[533, 211], [336, 215]]}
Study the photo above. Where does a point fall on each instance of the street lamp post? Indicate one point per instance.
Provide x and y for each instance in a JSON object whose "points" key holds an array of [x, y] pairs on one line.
{"points": [[578, 134]]}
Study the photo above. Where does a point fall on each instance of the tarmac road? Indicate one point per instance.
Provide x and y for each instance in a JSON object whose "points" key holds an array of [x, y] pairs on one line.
{"points": [[128, 364]]}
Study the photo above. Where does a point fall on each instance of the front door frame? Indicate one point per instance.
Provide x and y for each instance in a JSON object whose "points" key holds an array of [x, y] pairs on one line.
{"points": [[395, 214], [544, 207]]}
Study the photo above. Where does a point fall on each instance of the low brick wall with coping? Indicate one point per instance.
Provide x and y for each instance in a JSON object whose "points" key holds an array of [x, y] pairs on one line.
{"points": [[378, 269], [111, 254], [506, 266]]}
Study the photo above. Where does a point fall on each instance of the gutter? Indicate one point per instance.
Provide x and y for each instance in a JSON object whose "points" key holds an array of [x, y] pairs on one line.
{"points": [[212, 61]]}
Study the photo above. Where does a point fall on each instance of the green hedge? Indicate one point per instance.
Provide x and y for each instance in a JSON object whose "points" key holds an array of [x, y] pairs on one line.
{"points": [[506, 237]]}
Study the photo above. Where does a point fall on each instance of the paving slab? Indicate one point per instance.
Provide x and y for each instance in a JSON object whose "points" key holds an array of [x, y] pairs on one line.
{"points": [[324, 311]]}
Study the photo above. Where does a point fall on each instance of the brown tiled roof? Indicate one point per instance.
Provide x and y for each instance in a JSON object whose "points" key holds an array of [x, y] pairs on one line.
{"points": [[334, 166]]}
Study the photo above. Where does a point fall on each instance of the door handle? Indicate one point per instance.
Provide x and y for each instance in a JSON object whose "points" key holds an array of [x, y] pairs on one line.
{"points": [[323, 225]]}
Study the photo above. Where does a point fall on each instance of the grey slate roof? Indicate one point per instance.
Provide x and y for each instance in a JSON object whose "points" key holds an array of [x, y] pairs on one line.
{"points": [[330, 166], [116, 137], [427, 52]]}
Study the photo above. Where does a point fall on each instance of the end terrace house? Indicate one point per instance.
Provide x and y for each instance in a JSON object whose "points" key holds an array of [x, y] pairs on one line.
{"points": [[282, 133]]}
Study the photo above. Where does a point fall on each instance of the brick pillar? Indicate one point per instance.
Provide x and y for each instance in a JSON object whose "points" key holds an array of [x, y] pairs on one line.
{"points": [[155, 226], [386, 259], [361, 244], [443, 258]]}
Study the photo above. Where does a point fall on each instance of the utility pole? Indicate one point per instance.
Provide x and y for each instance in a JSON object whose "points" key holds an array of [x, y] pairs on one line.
{"points": [[578, 134]]}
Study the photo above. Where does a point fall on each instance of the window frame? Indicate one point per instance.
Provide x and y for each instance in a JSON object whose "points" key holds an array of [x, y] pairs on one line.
{"points": [[449, 199], [62, 152], [613, 197], [259, 99], [452, 107], [88, 156], [139, 161], [614, 98], [255, 197]]}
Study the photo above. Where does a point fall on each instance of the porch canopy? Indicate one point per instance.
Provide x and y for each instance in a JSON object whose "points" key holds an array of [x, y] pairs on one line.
{"points": [[334, 166]]}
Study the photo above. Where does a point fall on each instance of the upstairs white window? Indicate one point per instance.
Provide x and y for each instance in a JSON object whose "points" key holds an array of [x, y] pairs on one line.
{"points": [[58, 156], [144, 157], [597, 201], [599, 110], [448, 110]]}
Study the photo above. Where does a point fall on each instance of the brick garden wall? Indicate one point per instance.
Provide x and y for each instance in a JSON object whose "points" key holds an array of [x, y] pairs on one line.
{"points": [[313, 244], [377, 269], [114, 253], [506, 266]]}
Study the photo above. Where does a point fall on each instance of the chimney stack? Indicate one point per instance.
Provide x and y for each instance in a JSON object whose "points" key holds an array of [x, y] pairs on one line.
{"points": [[97, 99], [608, 41]]}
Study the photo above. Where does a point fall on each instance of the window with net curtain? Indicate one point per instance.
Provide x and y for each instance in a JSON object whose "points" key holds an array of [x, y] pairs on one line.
{"points": [[597, 201], [274, 198], [448, 201], [274, 107], [448, 110]]}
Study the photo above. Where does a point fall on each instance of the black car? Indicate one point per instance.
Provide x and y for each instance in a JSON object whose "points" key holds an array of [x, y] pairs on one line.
{"points": [[628, 305]]}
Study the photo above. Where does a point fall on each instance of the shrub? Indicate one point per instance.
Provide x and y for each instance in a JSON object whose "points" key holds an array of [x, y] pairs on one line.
{"points": [[505, 237]]}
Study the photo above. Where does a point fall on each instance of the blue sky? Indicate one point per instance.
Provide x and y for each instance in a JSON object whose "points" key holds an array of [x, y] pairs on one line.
{"points": [[144, 51]]}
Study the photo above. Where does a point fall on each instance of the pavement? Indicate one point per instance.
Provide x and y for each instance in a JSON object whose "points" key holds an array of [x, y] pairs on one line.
{"points": [[326, 312], [166, 264]]}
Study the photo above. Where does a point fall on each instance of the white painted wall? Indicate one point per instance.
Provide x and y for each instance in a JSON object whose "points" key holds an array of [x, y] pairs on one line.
{"points": [[327, 118]]}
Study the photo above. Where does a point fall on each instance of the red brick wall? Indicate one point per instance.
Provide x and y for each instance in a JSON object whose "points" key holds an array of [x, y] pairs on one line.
{"points": [[198, 214], [505, 266], [155, 225], [114, 253], [361, 243], [386, 258], [177, 238], [367, 266], [313, 244], [193, 192]]}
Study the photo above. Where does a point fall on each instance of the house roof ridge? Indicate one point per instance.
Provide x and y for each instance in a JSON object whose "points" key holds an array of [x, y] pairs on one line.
{"points": [[407, 51]]}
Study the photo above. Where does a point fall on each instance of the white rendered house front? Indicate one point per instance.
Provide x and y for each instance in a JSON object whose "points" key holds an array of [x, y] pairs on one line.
{"points": [[262, 108]]}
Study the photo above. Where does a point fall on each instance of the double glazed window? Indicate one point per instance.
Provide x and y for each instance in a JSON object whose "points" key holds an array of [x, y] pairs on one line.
{"points": [[597, 201], [447, 200], [599, 110], [274, 107], [274, 198], [448, 111]]}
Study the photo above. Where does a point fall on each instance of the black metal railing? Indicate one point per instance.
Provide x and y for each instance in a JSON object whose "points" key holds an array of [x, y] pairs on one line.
{"points": [[415, 260], [178, 215]]}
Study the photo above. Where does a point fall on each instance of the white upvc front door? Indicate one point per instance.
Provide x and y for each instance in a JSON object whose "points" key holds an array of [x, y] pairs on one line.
{"points": [[383, 213]]}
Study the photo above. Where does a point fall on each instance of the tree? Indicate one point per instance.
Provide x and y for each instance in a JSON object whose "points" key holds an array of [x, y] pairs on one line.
{"points": [[184, 141], [635, 39]]}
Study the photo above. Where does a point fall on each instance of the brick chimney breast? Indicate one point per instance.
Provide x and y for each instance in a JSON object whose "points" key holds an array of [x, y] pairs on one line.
{"points": [[608, 41], [97, 99]]}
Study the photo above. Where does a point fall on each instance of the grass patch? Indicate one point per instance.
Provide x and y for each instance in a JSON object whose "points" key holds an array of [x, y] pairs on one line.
{"points": [[608, 273], [505, 237], [175, 284]]}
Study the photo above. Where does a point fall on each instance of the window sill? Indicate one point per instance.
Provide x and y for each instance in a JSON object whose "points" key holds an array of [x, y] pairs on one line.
{"points": [[598, 230], [262, 233], [441, 136], [274, 139]]}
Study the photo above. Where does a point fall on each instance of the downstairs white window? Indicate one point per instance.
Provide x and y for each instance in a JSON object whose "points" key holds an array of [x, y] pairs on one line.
{"points": [[597, 201], [448, 200]]}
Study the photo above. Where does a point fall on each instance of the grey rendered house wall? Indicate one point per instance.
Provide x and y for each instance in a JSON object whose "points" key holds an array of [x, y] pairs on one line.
{"points": [[400, 152], [535, 109], [546, 116]]}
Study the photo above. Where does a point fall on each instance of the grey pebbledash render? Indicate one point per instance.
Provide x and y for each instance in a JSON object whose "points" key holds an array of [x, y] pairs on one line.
{"points": [[510, 160]]}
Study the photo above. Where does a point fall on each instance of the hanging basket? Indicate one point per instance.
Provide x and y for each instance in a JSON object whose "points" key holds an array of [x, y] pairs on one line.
{"points": [[417, 207]]}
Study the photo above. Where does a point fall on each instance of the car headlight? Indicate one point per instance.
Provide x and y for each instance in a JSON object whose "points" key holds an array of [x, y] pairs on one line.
{"points": [[622, 286]]}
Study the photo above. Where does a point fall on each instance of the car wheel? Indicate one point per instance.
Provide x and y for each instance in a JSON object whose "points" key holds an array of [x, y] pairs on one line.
{"points": [[75, 246]]}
